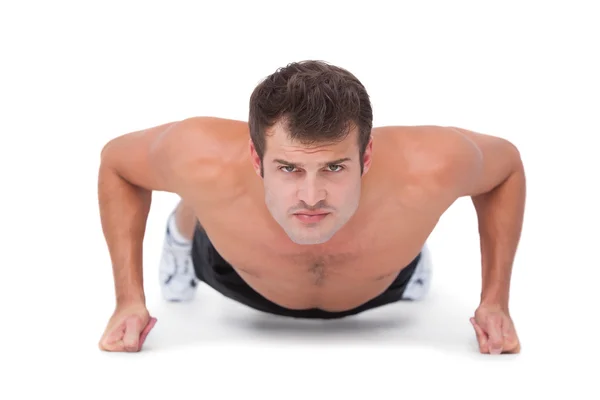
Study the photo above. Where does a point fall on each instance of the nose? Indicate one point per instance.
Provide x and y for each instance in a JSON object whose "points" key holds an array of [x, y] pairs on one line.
{"points": [[311, 192]]}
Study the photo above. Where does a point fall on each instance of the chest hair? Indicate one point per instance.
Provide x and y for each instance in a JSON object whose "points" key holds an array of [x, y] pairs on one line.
{"points": [[321, 267]]}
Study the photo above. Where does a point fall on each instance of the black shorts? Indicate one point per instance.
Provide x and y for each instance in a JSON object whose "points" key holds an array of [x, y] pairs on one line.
{"points": [[212, 269]]}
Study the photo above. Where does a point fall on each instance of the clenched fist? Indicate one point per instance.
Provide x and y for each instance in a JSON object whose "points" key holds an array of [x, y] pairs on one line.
{"points": [[495, 330], [127, 329]]}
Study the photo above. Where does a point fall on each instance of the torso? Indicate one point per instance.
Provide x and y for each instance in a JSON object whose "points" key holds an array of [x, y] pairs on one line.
{"points": [[396, 215]]}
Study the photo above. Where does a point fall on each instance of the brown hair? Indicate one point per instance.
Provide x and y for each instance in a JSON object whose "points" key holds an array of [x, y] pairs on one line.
{"points": [[317, 102]]}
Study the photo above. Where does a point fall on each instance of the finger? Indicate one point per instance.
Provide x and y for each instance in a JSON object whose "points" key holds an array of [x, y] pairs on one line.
{"points": [[112, 339], [145, 332], [115, 334], [481, 336], [113, 347], [493, 327], [512, 348], [132, 333], [511, 340]]}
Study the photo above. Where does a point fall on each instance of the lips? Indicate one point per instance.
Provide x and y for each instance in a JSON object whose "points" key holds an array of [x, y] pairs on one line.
{"points": [[311, 217], [311, 213]]}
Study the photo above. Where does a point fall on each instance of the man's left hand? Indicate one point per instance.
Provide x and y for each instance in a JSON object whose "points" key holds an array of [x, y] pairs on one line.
{"points": [[495, 330]]}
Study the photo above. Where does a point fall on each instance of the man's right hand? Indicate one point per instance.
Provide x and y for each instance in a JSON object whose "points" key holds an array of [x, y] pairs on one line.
{"points": [[127, 329]]}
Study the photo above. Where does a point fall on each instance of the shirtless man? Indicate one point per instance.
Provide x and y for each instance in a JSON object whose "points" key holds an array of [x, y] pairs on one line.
{"points": [[306, 210]]}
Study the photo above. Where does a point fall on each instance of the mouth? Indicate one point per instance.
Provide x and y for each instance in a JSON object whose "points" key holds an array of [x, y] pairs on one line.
{"points": [[311, 217]]}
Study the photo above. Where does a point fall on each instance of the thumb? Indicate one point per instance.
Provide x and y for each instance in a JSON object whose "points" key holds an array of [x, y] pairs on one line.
{"points": [[146, 330], [482, 338], [133, 326]]}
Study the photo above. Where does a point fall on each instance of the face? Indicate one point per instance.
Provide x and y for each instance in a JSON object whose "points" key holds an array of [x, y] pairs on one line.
{"points": [[311, 191]]}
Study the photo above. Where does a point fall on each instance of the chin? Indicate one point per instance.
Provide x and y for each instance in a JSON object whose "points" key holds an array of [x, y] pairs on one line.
{"points": [[309, 238], [306, 241]]}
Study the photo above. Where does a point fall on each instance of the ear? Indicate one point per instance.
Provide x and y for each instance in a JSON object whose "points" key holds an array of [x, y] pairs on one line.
{"points": [[255, 158], [367, 156]]}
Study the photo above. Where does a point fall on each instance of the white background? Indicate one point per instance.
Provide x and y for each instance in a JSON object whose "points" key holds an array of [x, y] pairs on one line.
{"points": [[74, 75]]}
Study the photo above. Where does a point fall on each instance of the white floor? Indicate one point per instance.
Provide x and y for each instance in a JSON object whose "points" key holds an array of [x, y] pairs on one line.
{"points": [[75, 82]]}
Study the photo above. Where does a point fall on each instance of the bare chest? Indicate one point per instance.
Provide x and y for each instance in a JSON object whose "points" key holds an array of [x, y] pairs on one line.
{"points": [[356, 265]]}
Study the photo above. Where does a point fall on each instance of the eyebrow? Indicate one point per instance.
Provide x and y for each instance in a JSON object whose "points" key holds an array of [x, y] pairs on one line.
{"points": [[291, 164]]}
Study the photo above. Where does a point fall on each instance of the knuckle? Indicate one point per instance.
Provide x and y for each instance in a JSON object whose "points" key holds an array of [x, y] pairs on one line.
{"points": [[131, 345], [103, 344]]}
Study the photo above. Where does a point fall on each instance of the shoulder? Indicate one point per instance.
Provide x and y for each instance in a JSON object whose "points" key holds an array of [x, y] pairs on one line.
{"points": [[203, 136], [425, 151], [201, 149], [448, 161]]}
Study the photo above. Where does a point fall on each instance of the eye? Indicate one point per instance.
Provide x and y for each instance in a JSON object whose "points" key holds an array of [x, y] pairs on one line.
{"points": [[335, 168], [287, 168]]}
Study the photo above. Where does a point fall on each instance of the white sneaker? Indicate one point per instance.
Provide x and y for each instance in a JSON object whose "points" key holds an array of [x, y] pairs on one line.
{"points": [[420, 282], [177, 277]]}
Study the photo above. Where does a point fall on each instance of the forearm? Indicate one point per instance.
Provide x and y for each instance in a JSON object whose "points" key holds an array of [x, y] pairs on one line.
{"points": [[124, 211], [500, 219]]}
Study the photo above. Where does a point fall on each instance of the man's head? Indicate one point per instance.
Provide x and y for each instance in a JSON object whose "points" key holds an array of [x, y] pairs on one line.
{"points": [[310, 127]]}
